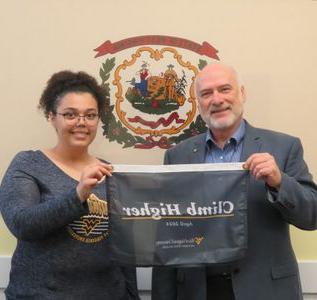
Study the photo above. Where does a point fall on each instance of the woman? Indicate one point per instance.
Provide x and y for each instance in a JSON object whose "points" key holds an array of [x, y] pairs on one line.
{"points": [[54, 202]]}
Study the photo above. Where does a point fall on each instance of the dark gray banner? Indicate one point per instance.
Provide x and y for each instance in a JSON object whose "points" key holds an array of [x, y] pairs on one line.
{"points": [[178, 217]]}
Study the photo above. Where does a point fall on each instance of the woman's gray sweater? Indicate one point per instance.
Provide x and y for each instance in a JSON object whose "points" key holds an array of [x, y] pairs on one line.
{"points": [[62, 249]]}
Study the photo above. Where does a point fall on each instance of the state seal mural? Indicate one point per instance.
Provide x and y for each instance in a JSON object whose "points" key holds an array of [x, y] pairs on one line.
{"points": [[150, 80]]}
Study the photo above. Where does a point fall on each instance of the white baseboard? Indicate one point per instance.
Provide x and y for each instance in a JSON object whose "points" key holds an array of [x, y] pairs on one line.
{"points": [[5, 263], [307, 269], [308, 273]]}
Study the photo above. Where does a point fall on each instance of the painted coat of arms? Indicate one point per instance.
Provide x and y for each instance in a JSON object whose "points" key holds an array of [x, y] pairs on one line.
{"points": [[151, 89]]}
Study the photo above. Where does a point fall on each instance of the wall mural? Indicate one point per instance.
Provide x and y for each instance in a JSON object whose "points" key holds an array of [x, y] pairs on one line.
{"points": [[150, 80]]}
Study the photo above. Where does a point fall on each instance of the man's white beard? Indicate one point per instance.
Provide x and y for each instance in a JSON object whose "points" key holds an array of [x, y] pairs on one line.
{"points": [[213, 123]]}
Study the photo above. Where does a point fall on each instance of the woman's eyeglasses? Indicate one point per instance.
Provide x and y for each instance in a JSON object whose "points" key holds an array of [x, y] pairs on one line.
{"points": [[75, 116]]}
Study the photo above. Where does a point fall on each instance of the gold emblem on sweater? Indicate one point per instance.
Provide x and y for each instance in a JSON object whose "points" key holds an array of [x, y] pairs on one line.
{"points": [[97, 206], [93, 227]]}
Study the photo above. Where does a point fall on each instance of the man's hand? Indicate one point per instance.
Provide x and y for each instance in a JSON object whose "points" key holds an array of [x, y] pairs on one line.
{"points": [[263, 167]]}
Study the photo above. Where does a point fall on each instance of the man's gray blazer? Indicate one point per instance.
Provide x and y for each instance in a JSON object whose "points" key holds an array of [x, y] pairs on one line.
{"points": [[269, 271]]}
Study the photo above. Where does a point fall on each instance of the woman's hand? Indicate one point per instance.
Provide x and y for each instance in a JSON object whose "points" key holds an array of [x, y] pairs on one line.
{"points": [[89, 178]]}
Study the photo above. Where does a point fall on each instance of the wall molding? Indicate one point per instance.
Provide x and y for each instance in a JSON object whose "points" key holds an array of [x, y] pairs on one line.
{"points": [[307, 268]]}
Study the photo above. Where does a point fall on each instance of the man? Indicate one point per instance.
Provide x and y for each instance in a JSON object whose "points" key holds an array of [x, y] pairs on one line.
{"points": [[281, 192]]}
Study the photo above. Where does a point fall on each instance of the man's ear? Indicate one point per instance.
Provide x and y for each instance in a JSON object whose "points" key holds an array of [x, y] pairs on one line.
{"points": [[198, 107], [243, 93]]}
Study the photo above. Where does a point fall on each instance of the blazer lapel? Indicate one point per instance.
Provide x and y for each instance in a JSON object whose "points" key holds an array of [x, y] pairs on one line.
{"points": [[252, 142], [197, 151]]}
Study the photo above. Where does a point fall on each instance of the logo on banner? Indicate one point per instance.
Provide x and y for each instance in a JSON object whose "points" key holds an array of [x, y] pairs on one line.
{"points": [[183, 243], [198, 240], [150, 80]]}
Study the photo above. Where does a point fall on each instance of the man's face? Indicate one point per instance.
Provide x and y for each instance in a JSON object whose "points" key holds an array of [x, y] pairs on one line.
{"points": [[220, 98]]}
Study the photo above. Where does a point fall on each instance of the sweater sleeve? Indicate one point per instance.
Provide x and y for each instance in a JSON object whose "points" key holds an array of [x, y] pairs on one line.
{"points": [[22, 208]]}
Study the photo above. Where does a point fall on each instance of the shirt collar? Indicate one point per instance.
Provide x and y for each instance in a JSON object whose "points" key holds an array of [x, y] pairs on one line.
{"points": [[237, 137]]}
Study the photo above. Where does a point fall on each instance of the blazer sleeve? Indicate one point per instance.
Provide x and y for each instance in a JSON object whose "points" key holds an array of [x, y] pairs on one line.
{"points": [[297, 197]]}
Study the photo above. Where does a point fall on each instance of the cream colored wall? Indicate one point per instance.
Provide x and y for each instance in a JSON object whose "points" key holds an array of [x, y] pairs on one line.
{"points": [[272, 43]]}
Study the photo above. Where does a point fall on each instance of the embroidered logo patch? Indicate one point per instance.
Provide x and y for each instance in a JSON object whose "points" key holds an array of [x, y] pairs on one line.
{"points": [[93, 227]]}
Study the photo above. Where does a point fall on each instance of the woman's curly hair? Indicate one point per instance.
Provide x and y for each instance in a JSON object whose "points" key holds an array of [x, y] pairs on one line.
{"points": [[64, 82]]}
